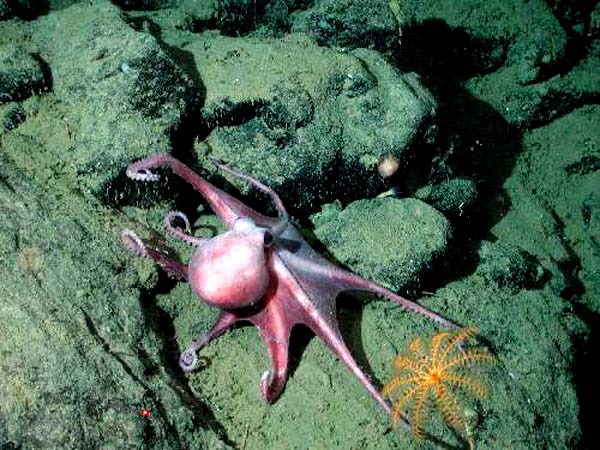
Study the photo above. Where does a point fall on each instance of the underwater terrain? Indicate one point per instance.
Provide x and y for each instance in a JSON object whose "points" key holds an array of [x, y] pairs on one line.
{"points": [[448, 150]]}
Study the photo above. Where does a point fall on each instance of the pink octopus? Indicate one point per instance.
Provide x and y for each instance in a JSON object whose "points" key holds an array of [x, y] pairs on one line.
{"points": [[260, 271]]}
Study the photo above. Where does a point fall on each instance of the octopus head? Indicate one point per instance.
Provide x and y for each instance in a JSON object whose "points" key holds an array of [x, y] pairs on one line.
{"points": [[230, 270]]}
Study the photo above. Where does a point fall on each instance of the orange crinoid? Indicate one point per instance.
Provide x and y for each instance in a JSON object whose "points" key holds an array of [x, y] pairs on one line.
{"points": [[435, 368]]}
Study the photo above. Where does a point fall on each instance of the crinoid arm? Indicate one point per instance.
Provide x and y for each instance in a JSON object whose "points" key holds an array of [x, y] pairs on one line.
{"points": [[449, 406]]}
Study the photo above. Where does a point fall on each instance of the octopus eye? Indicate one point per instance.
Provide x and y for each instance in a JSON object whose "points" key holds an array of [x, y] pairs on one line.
{"points": [[267, 239]]}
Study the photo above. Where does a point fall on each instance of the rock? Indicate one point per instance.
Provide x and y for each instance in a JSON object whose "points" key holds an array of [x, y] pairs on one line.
{"points": [[456, 197], [237, 17], [21, 74], [13, 116], [124, 93], [525, 35], [536, 104], [553, 220], [508, 266], [80, 359], [350, 23], [298, 116], [390, 241]]}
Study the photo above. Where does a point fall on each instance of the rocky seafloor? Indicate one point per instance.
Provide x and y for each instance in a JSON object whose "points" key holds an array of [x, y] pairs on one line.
{"points": [[490, 214]]}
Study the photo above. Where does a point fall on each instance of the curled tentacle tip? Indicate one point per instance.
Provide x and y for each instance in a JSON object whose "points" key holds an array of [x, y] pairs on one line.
{"points": [[142, 175], [133, 242], [265, 375], [169, 221], [270, 387], [264, 385], [188, 360], [176, 231], [172, 273]]}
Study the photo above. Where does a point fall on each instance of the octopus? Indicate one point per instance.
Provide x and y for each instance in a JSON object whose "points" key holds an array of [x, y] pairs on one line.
{"points": [[261, 271]]}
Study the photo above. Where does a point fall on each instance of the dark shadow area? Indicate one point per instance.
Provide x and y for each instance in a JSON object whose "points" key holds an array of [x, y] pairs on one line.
{"points": [[473, 141], [299, 340], [141, 5], [350, 308], [26, 10], [585, 376], [48, 82], [575, 19]]}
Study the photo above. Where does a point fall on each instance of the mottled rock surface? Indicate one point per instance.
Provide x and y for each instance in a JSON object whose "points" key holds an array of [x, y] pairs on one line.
{"points": [[496, 136]]}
